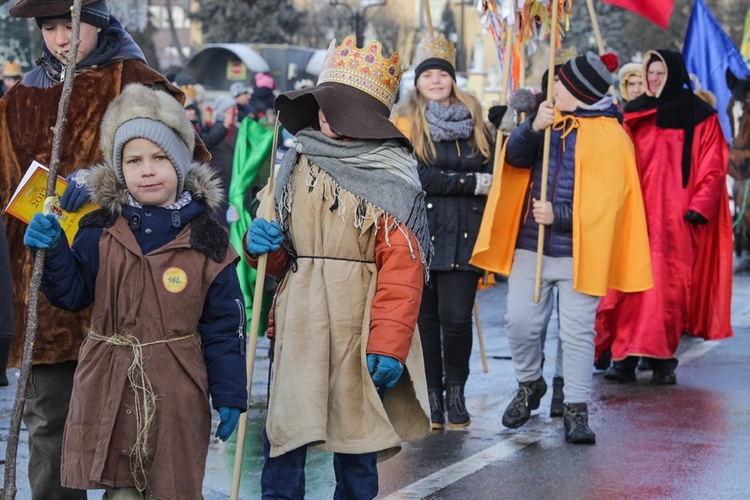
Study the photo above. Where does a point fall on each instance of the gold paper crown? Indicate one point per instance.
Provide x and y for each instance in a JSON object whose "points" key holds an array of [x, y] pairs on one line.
{"points": [[11, 69], [364, 69], [435, 46]]}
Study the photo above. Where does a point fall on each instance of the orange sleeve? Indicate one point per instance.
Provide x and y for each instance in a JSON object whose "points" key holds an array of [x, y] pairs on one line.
{"points": [[276, 263], [395, 307]]}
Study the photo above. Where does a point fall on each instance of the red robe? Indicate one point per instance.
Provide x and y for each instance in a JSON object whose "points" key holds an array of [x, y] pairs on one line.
{"points": [[692, 264]]}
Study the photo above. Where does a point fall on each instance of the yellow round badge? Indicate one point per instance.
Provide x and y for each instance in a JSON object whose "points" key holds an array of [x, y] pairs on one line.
{"points": [[174, 279]]}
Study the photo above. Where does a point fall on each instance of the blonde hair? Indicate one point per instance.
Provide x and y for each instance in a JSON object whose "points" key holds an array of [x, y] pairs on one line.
{"points": [[413, 110]]}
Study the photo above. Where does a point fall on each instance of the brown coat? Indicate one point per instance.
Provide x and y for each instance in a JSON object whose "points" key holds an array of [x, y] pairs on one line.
{"points": [[101, 426], [322, 393], [26, 117]]}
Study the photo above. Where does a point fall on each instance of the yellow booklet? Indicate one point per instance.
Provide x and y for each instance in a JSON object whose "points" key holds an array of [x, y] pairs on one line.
{"points": [[29, 199]]}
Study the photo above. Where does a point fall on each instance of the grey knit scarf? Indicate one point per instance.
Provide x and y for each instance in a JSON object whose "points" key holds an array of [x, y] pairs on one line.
{"points": [[448, 123], [382, 173]]}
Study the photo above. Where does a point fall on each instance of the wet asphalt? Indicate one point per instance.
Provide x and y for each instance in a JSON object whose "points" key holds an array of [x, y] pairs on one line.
{"points": [[688, 441]]}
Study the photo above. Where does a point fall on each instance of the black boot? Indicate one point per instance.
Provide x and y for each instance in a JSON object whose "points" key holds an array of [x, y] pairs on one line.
{"points": [[622, 371], [663, 371], [576, 422], [527, 398], [437, 413], [4, 352], [643, 365], [604, 360], [458, 416], [556, 408]]}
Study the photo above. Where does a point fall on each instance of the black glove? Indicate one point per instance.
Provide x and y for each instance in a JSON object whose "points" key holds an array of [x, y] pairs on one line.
{"points": [[695, 217], [495, 115]]}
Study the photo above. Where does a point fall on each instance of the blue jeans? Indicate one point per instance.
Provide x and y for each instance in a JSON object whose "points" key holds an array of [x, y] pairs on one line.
{"points": [[283, 477]]}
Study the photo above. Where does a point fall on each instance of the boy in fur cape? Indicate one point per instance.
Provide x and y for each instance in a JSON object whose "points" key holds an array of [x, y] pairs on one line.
{"points": [[167, 326]]}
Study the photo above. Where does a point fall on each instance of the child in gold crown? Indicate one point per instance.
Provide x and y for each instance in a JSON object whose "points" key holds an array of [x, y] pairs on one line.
{"points": [[352, 249]]}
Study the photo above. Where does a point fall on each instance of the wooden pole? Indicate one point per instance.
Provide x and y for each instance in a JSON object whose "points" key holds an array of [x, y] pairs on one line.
{"points": [[595, 22], [480, 338], [11, 451], [545, 157], [255, 320], [428, 15]]}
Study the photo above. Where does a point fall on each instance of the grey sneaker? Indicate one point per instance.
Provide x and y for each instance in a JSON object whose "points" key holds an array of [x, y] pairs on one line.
{"points": [[527, 398]]}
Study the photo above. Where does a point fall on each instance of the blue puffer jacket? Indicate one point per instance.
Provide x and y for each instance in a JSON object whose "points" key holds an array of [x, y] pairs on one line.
{"points": [[525, 150], [454, 214]]}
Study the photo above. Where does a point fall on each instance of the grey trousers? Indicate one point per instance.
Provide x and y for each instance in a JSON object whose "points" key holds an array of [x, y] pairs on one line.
{"points": [[525, 321], [48, 398]]}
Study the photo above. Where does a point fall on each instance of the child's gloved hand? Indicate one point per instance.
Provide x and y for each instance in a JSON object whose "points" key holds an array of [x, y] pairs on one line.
{"points": [[384, 370], [43, 232], [263, 236], [229, 418], [77, 193]]}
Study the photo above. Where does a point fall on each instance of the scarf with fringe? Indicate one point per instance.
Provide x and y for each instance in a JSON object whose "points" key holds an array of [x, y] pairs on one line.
{"points": [[382, 173]]}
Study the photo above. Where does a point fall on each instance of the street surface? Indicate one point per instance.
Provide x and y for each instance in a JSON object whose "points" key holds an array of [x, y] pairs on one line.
{"points": [[688, 441]]}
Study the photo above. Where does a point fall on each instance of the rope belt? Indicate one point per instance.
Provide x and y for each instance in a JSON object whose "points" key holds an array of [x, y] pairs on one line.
{"points": [[323, 257], [145, 399]]}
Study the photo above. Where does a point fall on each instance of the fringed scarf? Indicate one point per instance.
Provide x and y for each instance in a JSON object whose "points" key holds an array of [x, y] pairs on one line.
{"points": [[382, 173]]}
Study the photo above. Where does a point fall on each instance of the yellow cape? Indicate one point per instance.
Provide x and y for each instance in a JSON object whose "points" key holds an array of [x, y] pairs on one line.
{"points": [[610, 238]]}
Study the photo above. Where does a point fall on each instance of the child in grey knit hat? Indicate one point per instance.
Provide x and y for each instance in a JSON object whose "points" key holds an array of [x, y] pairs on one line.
{"points": [[168, 325]]}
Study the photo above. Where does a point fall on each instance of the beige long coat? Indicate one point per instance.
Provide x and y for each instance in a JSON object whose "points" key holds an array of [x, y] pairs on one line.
{"points": [[322, 394]]}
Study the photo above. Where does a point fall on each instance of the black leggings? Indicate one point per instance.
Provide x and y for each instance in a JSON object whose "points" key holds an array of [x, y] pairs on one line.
{"points": [[447, 303]]}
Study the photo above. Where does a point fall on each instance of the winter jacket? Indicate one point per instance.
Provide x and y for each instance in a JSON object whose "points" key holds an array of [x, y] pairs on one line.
{"points": [[166, 278], [453, 211], [27, 115], [261, 101], [524, 150], [351, 291]]}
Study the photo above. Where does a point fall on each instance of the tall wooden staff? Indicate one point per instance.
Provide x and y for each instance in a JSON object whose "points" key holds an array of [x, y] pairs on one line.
{"points": [[255, 320], [9, 487], [545, 157]]}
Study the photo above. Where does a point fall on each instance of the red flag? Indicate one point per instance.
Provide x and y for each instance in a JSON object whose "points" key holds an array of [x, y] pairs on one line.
{"points": [[656, 11]]}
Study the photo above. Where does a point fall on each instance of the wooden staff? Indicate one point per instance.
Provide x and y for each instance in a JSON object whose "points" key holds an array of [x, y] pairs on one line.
{"points": [[545, 157], [428, 15], [480, 338], [9, 487], [595, 22], [255, 319]]}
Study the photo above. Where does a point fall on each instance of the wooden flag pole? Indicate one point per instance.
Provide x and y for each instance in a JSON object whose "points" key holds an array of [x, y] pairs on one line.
{"points": [[11, 451], [547, 143], [595, 22], [428, 15], [260, 279]]}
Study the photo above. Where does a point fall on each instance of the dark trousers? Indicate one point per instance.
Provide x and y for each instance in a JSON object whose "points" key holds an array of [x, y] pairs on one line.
{"points": [[445, 326], [48, 399], [283, 477]]}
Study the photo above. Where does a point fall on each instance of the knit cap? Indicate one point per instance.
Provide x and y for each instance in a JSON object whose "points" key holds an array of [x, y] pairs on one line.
{"points": [[264, 80], [95, 14], [588, 77], [238, 88], [140, 112]]}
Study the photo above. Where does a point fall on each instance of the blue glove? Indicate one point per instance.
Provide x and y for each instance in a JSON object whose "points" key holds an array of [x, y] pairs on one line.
{"points": [[384, 370], [229, 418], [43, 232], [77, 193], [263, 236]]}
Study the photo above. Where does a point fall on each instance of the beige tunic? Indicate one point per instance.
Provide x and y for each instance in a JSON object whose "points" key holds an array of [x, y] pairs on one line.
{"points": [[322, 394]]}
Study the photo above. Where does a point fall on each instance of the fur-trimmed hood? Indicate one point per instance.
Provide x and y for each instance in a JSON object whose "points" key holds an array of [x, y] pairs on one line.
{"points": [[201, 180], [140, 101]]}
